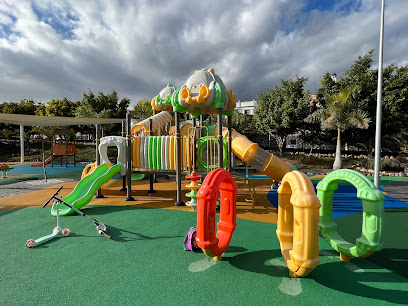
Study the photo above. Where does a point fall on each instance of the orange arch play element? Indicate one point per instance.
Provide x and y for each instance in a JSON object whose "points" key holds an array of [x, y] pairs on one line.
{"points": [[219, 183], [298, 219]]}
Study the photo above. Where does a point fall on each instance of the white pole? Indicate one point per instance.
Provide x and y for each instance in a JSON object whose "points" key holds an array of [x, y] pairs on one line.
{"points": [[377, 157], [21, 143]]}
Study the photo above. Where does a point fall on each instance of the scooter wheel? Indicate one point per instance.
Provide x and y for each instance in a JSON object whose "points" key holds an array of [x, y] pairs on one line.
{"points": [[65, 232], [104, 234], [30, 243]]}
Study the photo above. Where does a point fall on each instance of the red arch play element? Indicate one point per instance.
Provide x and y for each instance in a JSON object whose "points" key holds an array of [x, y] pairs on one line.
{"points": [[212, 243]]}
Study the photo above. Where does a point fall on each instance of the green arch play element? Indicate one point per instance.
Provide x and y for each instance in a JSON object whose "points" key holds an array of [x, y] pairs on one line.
{"points": [[202, 144], [373, 213]]}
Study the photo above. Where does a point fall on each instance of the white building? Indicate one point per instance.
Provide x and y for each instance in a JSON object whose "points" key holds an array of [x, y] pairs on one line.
{"points": [[246, 107]]}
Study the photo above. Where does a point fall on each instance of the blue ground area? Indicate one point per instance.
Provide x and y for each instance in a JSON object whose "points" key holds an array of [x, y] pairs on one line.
{"points": [[345, 201], [57, 169], [26, 172]]}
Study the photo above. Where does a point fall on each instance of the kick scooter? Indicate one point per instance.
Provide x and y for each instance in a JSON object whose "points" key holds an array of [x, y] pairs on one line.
{"points": [[100, 227], [56, 232]]}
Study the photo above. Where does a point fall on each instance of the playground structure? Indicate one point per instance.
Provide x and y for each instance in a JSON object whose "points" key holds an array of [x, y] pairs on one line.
{"points": [[63, 145], [163, 144], [4, 168]]}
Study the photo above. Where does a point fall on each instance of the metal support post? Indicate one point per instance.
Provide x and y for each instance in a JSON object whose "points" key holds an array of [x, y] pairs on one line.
{"points": [[124, 136], [220, 141], [194, 155], [200, 132], [151, 176], [129, 158], [377, 158], [98, 158], [178, 202], [230, 143], [22, 143]]}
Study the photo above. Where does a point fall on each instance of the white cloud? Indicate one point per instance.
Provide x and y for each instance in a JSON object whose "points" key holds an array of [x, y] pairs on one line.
{"points": [[51, 49]]}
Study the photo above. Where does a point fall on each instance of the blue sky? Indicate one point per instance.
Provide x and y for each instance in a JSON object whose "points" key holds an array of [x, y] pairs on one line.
{"points": [[346, 6], [55, 49], [63, 24]]}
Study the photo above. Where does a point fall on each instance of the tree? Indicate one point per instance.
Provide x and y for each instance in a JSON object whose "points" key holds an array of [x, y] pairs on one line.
{"points": [[312, 133], [281, 111], [62, 108], [394, 101], [242, 123], [27, 107], [122, 108], [395, 105], [102, 106], [341, 112], [142, 109], [361, 75]]}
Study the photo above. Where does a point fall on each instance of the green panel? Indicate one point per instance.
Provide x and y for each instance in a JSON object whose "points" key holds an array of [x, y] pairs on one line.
{"points": [[137, 176], [202, 145], [86, 189], [150, 152], [158, 152], [154, 153], [211, 129]]}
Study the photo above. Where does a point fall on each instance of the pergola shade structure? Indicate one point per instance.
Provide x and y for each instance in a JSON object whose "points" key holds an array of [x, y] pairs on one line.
{"points": [[33, 120]]}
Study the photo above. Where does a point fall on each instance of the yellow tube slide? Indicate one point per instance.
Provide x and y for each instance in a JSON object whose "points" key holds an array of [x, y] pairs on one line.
{"points": [[250, 153]]}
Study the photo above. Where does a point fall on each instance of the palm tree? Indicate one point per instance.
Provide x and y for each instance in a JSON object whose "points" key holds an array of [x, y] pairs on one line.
{"points": [[340, 112]]}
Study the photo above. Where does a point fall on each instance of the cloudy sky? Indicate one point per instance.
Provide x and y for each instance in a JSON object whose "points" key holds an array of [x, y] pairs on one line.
{"points": [[53, 49]]}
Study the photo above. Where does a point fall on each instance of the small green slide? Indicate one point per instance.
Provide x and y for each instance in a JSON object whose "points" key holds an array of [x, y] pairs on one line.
{"points": [[86, 189]]}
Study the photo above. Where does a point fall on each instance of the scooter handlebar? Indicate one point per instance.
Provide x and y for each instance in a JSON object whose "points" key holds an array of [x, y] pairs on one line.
{"points": [[46, 203]]}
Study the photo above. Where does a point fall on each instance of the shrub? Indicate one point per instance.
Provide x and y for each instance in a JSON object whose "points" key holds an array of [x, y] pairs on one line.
{"points": [[367, 163], [388, 164]]}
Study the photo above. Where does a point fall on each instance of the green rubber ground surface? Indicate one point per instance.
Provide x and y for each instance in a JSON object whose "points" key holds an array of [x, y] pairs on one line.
{"points": [[144, 264]]}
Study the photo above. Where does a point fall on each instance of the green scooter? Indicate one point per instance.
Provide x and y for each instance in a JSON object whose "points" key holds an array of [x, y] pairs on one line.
{"points": [[58, 231]]}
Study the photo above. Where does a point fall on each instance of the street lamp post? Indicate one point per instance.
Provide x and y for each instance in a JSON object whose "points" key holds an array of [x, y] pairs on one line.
{"points": [[377, 157]]}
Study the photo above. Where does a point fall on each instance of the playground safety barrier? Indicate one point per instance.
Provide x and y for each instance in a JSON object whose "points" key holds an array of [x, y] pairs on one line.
{"points": [[159, 153]]}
